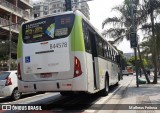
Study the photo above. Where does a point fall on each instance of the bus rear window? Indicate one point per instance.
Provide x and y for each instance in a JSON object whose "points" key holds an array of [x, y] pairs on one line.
{"points": [[49, 28]]}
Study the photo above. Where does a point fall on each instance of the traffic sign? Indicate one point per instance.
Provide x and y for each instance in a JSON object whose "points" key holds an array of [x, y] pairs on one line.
{"points": [[133, 39], [68, 4]]}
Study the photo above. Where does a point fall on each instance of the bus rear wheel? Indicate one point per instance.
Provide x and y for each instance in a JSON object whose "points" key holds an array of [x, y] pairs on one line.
{"points": [[105, 91], [66, 93]]}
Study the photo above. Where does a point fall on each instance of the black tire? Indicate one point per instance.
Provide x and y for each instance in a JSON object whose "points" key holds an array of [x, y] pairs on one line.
{"points": [[118, 80], [117, 84], [105, 91], [40, 92], [66, 93], [16, 94], [119, 76]]}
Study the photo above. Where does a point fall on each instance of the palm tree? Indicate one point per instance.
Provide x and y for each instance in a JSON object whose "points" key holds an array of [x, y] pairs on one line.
{"points": [[122, 24], [151, 8]]}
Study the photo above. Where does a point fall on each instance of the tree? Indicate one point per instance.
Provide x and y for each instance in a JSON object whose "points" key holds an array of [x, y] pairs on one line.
{"points": [[151, 8], [121, 25], [132, 61], [148, 45]]}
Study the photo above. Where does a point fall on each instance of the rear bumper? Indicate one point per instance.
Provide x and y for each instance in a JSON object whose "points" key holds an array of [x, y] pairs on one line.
{"points": [[75, 84], [6, 91]]}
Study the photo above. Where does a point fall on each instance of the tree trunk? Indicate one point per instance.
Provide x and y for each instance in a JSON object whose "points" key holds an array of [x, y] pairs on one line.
{"points": [[155, 48], [143, 65]]}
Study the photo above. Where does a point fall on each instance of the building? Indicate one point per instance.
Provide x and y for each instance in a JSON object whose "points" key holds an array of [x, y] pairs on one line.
{"points": [[40, 8], [18, 11], [85, 9], [12, 14], [128, 55], [45, 7]]}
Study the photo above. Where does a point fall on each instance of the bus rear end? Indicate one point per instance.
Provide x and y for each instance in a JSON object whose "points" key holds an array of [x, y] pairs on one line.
{"points": [[46, 61], [129, 69]]}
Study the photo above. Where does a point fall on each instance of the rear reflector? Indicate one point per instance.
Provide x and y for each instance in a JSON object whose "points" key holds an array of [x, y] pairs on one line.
{"points": [[77, 67], [8, 81]]}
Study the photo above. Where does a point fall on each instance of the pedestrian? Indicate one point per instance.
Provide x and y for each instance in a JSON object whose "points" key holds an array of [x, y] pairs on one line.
{"points": [[148, 72], [140, 72]]}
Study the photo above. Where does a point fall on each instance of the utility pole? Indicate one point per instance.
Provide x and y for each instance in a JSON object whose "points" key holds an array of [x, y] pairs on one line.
{"points": [[10, 35], [133, 37]]}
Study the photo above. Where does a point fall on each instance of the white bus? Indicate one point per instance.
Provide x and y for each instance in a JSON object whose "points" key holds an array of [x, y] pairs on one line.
{"points": [[65, 53]]}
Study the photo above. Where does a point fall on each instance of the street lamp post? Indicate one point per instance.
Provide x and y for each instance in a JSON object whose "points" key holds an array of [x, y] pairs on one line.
{"points": [[10, 35], [133, 38]]}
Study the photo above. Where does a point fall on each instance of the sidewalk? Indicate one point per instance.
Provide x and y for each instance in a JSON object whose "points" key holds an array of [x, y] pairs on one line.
{"points": [[144, 94]]}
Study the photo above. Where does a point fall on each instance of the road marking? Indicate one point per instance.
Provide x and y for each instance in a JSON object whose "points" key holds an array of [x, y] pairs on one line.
{"points": [[32, 98]]}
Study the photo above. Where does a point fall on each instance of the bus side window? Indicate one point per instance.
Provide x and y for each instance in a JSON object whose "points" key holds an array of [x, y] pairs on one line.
{"points": [[114, 56], [104, 49], [99, 46], [107, 52], [86, 37], [110, 53]]}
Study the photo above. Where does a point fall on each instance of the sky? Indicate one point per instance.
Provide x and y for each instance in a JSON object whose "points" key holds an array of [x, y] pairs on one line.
{"points": [[102, 9], [99, 11]]}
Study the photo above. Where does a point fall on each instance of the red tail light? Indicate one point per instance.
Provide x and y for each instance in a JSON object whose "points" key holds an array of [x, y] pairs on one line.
{"points": [[77, 67], [19, 72], [8, 82]]}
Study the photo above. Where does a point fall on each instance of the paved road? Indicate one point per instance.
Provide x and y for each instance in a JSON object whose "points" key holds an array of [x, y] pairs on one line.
{"points": [[52, 98]]}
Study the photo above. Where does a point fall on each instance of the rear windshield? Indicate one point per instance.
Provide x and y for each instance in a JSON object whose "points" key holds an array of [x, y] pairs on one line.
{"points": [[49, 28], [4, 75]]}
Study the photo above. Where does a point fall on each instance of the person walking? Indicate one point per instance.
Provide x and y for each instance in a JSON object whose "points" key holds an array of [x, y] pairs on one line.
{"points": [[140, 72], [148, 72]]}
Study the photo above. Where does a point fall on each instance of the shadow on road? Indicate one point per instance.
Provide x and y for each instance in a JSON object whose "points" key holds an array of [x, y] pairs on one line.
{"points": [[8, 99]]}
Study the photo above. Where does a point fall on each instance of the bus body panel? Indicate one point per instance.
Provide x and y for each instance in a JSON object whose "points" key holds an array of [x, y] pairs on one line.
{"points": [[80, 82], [73, 84], [53, 70], [110, 67], [44, 85], [40, 58]]}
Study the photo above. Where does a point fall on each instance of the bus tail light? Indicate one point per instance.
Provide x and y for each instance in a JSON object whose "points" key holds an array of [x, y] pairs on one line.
{"points": [[8, 81], [19, 72], [77, 67]]}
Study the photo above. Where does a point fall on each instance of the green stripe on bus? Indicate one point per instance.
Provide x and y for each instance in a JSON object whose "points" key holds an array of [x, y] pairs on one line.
{"points": [[77, 40], [19, 46]]}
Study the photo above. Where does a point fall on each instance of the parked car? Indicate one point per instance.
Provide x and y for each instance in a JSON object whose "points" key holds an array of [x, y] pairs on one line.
{"points": [[9, 85], [125, 72]]}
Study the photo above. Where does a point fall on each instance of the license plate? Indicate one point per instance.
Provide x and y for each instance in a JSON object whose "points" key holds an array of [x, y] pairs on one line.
{"points": [[46, 75]]}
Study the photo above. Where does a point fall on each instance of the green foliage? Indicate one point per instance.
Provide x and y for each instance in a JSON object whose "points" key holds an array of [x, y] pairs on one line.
{"points": [[4, 49], [132, 61]]}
